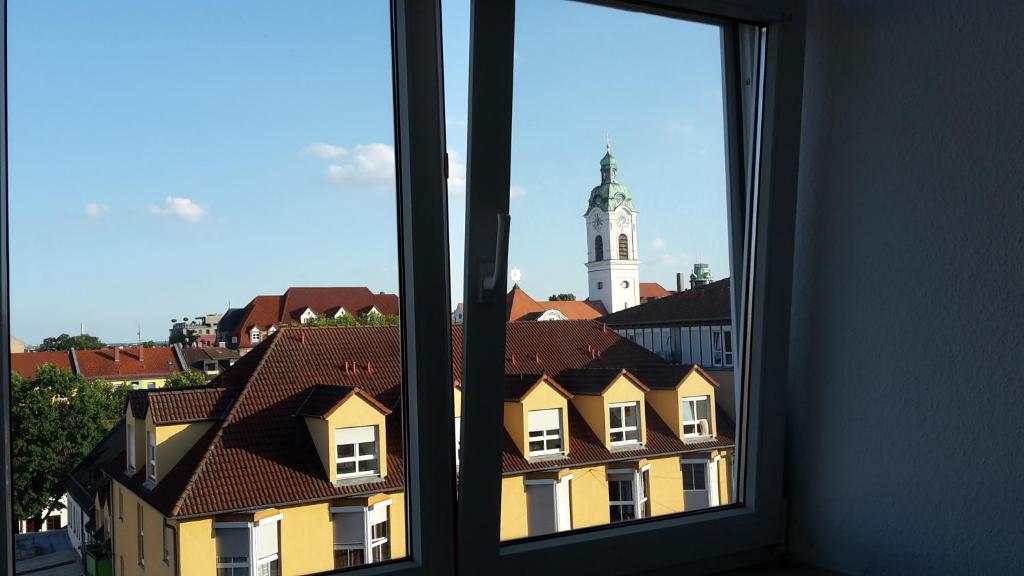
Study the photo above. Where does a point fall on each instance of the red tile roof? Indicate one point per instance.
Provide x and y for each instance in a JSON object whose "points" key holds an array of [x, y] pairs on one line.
{"points": [[189, 405], [266, 311], [595, 381], [652, 290], [128, 363], [25, 364], [260, 454], [521, 306], [708, 303]]}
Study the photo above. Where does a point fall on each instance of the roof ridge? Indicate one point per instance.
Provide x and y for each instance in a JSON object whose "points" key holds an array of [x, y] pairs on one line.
{"points": [[222, 422]]}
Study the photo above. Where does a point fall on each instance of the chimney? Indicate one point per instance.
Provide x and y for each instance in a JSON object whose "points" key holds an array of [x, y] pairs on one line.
{"points": [[302, 339], [536, 357], [117, 354], [513, 359], [369, 367], [680, 282]]}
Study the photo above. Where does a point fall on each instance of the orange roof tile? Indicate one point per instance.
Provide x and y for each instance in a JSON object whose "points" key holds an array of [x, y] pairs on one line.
{"points": [[25, 364], [121, 364], [652, 290], [521, 306]]}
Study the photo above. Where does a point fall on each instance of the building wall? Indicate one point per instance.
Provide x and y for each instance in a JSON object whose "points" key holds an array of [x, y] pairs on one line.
{"points": [[125, 540], [173, 441], [666, 490], [198, 545], [143, 383], [307, 539], [589, 496], [514, 523], [904, 444]]}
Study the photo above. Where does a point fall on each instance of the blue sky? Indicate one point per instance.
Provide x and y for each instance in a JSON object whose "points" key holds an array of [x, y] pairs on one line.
{"points": [[169, 158]]}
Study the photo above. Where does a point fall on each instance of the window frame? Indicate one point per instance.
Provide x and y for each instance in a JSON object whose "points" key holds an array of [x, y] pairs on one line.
{"points": [[151, 456], [356, 456], [422, 218], [694, 400], [624, 428], [545, 436], [762, 135]]}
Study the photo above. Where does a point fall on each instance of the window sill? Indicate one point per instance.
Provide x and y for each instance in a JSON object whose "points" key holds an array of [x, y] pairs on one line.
{"points": [[356, 480], [547, 457], [626, 447]]}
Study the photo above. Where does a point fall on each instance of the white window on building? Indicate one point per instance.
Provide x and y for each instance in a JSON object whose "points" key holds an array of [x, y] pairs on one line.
{"points": [[341, 312], [629, 494], [151, 456], [356, 451], [130, 430], [361, 535], [621, 497], [545, 428], [727, 339], [268, 548], [700, 484], [254, 335], [135, 385], [548, 504], [624, 423], [271, 330], [696, 416], [458, 441], [210, 366], [232, 551], [307, 316]]}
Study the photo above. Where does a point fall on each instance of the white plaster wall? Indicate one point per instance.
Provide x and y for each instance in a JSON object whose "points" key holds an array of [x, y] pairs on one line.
{"points": [[905, 447]]}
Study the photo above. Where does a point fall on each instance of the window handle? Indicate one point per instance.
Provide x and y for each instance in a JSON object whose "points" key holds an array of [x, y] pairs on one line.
{"points": [[490, 283]]}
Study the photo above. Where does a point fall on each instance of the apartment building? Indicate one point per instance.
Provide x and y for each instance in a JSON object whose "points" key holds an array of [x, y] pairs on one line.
{"points": [[136, 367], [291, 462], [245, 328]]}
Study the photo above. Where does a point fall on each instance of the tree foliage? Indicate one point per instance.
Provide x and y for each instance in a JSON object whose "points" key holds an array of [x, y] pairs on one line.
{"points": [[568, 297], [56, 419], [66, 342], [186, 379], [186, 338], [349, 320]]}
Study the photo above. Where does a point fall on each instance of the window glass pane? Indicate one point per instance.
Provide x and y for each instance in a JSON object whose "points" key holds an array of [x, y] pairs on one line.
{"points": [[594, 131], [256, 144]]}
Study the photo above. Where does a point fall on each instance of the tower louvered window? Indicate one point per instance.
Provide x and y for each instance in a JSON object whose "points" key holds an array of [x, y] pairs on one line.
{"points": [[598, 248], [623, 247]]}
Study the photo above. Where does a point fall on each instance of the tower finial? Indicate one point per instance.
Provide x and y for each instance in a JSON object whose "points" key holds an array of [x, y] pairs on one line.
{"points": [[607, 143]]}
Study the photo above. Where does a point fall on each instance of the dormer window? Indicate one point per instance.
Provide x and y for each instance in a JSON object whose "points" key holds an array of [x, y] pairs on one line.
{"points": [[624, 423], [254, 335], [271, 330], [210, 366], [545, 431], [696, 416], [130, 430], [307, 316], [151, 456], [356, 452], [341, 312]]}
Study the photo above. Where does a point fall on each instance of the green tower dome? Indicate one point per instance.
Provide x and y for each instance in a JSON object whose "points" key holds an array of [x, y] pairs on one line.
{"points": [[610, 193]]}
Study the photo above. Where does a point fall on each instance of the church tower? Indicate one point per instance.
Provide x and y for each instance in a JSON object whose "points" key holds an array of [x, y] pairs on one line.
{"points": [[613, 265]]}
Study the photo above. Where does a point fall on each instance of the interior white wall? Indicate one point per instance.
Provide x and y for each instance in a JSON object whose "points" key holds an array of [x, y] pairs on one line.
{"points": [[905, 450]]}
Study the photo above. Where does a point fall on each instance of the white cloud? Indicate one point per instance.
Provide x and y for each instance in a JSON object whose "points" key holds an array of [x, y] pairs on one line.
{"points": [[321, 150], [183, 208], [93, 210], [516, 191], [456, 174], [369, 166], [658, 244]]}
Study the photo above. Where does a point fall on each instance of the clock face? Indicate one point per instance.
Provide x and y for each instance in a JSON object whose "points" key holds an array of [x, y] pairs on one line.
{"points": [[597, 221], [622, 220]]}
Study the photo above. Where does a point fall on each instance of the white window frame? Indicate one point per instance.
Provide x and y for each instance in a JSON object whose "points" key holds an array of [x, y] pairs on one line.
{"points": [[255, 544], [717, 347], [762, 63], [151, 456], [357, 457], [705, 466], [254, 335], [247, 526], [130, 430], [693, 400], [369, 543], [544, 436], [307, 316], [559, 505], [625, 429]]}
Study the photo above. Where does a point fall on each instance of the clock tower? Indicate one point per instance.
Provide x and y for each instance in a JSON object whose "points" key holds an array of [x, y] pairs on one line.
{"points": [[613, 265]]}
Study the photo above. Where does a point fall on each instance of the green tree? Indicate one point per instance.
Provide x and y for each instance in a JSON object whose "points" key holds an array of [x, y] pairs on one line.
{"points": [[186, 338], [569, 297], [186, 379], [56, 419], [66, 342]]}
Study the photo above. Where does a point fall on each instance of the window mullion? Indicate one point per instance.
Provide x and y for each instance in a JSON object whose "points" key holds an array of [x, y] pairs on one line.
{"points": [[427, 400], [487, 202]]}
